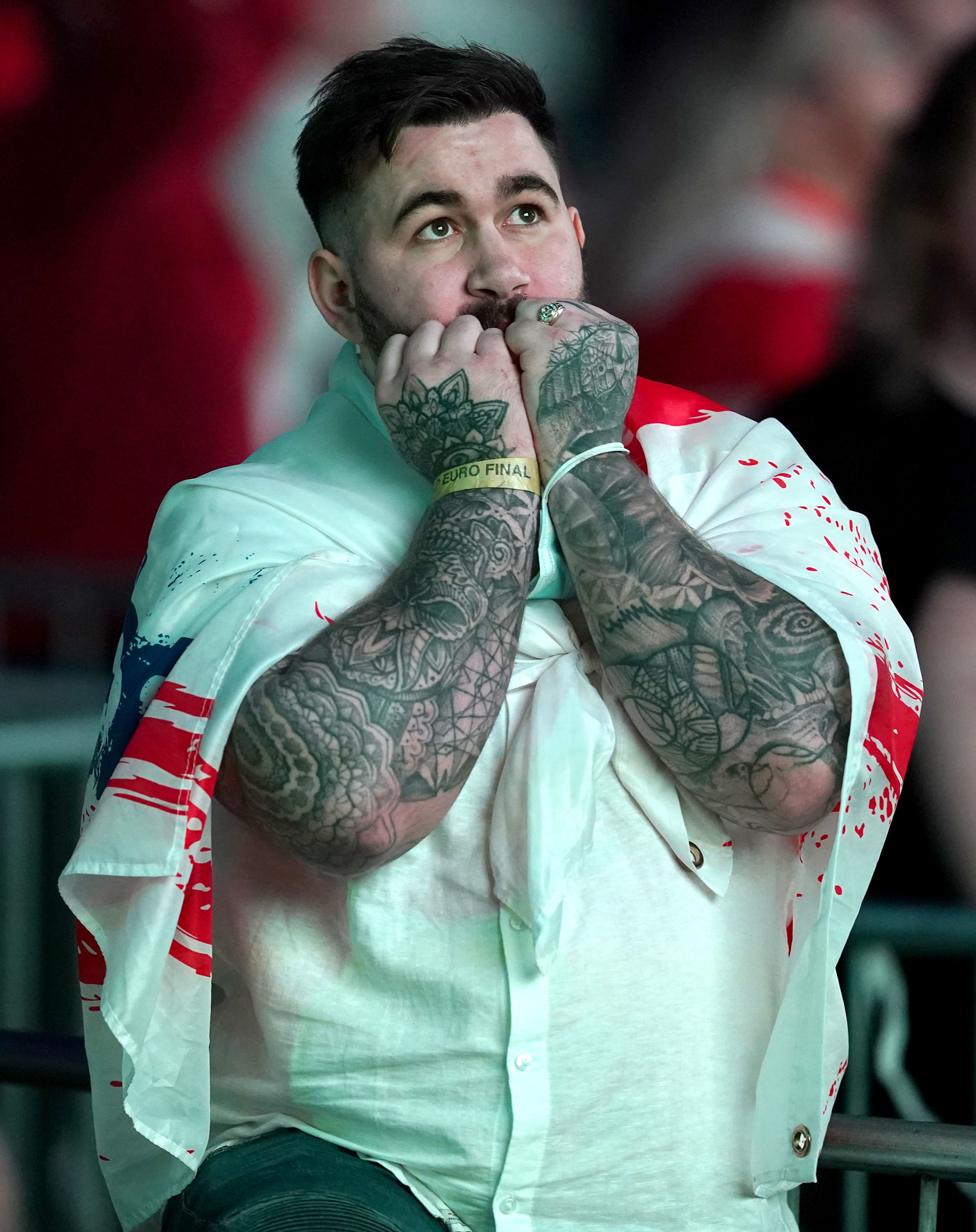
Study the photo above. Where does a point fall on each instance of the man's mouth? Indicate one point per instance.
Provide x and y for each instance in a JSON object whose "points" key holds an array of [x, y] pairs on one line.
{"points": [[493, 314]]}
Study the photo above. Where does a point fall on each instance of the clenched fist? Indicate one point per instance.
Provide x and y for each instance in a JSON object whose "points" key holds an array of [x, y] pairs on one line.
{"points": [[451, 395], [578, 377]]}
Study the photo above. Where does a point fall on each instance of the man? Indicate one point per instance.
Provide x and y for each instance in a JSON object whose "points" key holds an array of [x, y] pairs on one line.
{"points": [[540, 921]]}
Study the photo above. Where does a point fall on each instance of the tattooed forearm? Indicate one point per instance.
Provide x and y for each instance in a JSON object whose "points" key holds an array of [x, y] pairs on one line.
{"points": [[353, 749], [738, 687]]}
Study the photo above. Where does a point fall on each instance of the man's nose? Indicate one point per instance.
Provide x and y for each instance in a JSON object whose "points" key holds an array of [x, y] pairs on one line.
{"points": [[496, 272]]}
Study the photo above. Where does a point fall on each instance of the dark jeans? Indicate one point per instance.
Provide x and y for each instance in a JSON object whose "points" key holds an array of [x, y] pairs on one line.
{"points": [[288, 1181]]}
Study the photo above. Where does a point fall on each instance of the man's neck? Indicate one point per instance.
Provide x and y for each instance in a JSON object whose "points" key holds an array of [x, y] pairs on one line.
{"points": [[367, 363]]}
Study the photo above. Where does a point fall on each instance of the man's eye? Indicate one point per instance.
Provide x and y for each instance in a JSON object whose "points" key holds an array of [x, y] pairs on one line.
{"points": [[525, 215], [439, 229]]}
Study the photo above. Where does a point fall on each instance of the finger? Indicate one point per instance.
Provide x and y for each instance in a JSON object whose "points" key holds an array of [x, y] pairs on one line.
{"points": [[390, 359], [593, 310], [527, 315], [422, 343], [459, 341], [528, 309], [492, 342], [521, 335]]}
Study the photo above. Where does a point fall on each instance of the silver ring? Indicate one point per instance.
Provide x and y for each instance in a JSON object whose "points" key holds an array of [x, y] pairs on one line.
{"points": [[550, 313]]}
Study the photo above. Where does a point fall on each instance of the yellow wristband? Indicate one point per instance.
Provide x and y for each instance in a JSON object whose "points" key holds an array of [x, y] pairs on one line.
{"points": [[519, 473]]}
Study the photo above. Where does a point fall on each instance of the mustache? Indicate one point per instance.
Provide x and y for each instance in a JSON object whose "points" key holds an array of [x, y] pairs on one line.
{"points": [[494, 313]]}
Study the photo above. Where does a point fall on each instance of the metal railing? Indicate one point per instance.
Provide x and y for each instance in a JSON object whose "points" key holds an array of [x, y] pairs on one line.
{"points": [[932, 1152], [48, 722], [884, 933], [34, 1059], [917, 928]]}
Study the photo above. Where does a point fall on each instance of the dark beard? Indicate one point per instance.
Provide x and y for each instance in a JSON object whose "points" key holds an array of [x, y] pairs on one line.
{"points": [[377, 327], [494, 313]]}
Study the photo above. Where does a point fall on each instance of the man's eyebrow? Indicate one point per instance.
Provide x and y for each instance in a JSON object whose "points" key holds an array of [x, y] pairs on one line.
{"points": [[505, 186], [430, 196], [527, 181]]}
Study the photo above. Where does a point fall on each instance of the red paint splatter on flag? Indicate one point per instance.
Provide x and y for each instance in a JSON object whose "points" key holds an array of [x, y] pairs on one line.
{"points": [[160, 743], [892, 725], [834, 1086], [161, 749], [176, 697], [91, 962], [148, 787], [656, 403]]}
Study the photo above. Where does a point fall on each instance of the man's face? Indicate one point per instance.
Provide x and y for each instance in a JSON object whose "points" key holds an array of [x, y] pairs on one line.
{"points": [[465, 218]]}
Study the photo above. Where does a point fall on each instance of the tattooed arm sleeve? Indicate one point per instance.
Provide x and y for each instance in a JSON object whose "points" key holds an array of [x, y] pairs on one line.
{"points": [[738, 687], [352, 750]]}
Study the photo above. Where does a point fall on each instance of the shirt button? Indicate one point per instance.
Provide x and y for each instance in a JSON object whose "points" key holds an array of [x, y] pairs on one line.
{"points": [[696, 855], [516, 923], [507, 1205], [523, 1060], [801, 1141]]}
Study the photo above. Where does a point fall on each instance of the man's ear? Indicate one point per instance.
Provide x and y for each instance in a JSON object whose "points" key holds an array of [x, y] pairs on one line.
{"points": [[328, 281], [574, 218]]}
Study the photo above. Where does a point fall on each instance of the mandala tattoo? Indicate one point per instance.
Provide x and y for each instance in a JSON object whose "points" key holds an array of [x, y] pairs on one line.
{"points": [[438, 427], [391, 705], [739, 688]]}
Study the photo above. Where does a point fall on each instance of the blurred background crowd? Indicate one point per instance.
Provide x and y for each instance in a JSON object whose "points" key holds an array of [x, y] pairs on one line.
{"points": [[780, 195]]}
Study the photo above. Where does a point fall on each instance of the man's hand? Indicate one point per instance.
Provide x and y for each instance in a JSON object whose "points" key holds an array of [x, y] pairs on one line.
{"points": [[578, 377], [451, 395], [353, 749]]}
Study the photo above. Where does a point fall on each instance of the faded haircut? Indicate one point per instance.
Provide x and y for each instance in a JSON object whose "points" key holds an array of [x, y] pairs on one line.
{"points": [[359, 109]]}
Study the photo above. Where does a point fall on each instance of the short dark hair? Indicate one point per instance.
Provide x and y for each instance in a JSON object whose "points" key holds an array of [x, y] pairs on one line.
{"points": [[359, 109]]}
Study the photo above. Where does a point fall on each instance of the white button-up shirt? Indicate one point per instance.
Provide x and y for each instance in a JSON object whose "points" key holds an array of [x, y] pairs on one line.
{"points": [[659, 1046]]}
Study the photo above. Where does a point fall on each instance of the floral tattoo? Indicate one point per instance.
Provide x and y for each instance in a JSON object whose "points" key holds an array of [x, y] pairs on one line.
{"points": [[339, 744], [439, 426]]}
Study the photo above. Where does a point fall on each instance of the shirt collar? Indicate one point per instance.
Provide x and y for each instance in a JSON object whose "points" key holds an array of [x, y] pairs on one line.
{"points": [[348, 379]]}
